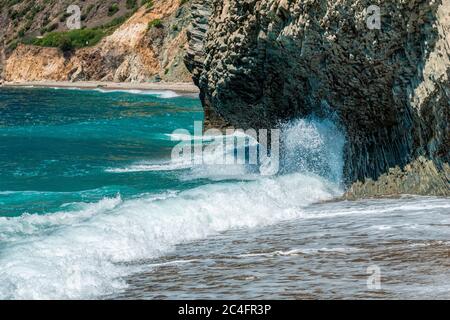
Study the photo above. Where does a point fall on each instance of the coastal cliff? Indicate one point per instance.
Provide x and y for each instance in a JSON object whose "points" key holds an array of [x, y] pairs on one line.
{"points": [[148, 46], [259, 63], [262, 62]]}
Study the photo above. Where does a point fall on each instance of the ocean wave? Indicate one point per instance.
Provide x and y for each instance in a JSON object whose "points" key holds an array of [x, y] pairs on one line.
{"points": [[188, 137], [62, 88], [204, 165], [146, 167], [162, 94], [182, 137], [308, 146], [78, 254], [86, 251]]}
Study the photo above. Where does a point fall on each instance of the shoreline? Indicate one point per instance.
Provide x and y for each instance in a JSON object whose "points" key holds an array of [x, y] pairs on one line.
{"points": [[183, 88]]}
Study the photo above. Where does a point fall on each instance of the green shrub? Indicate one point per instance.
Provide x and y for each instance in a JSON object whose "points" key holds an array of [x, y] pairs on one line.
{"points": [[13, 45], [148, 4], [75, 39], [65, 43], [113, 8], [72, 39], [131, 4], [157, 23]]}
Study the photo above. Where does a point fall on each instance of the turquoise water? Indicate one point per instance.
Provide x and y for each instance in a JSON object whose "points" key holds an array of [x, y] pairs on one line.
{"points": [[91, 206], [88, 189], [56, 146]]}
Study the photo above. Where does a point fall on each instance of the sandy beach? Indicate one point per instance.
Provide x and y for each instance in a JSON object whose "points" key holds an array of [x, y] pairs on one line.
{"points": [[179, 87]]}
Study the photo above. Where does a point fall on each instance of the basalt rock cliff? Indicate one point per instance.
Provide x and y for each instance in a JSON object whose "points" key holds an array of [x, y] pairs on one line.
{"points": [[262, 62]]}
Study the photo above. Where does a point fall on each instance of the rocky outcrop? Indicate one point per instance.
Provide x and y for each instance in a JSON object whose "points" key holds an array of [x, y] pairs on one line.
{"points": [[134, 52], [196, 55], [420, 177], [267, 61], [2, 60]]}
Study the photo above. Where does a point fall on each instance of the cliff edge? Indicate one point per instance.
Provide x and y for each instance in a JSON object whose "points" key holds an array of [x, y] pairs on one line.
{"points": [[261, 62]]}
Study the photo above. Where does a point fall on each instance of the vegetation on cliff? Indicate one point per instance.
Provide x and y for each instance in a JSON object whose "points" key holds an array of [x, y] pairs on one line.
{"points": [[40, 21], [144, 41], [79, 38]]}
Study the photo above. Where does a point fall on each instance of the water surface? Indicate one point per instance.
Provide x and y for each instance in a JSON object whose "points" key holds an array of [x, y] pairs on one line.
{"points": [[91, 206]]}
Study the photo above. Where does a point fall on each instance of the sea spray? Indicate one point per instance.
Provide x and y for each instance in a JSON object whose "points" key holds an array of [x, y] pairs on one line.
{"points": [[313, 146], [86, 253]]}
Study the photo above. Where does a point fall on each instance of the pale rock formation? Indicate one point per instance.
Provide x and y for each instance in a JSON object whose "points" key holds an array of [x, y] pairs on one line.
{"points": [[131, 53]]}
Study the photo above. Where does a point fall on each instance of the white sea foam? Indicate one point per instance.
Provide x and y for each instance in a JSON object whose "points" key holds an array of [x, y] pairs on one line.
{"points": [[380, 207], [309, 146], [303, 251], [66, 88], [163, 94], [78, 254], [201, 165], [85, 252], [145, 167], [188, 137]]}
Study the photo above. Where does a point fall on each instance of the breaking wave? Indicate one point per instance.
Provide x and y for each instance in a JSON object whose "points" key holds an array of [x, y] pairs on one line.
{"points": [[85, 252]]}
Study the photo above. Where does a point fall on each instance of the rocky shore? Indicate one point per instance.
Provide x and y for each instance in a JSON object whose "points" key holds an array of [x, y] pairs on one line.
{"points": [[257, 63], [261, 62]]}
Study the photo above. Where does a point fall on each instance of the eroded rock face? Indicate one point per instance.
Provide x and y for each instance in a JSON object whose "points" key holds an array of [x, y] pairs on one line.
{"points": [[266, 61], [132, 53]]}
